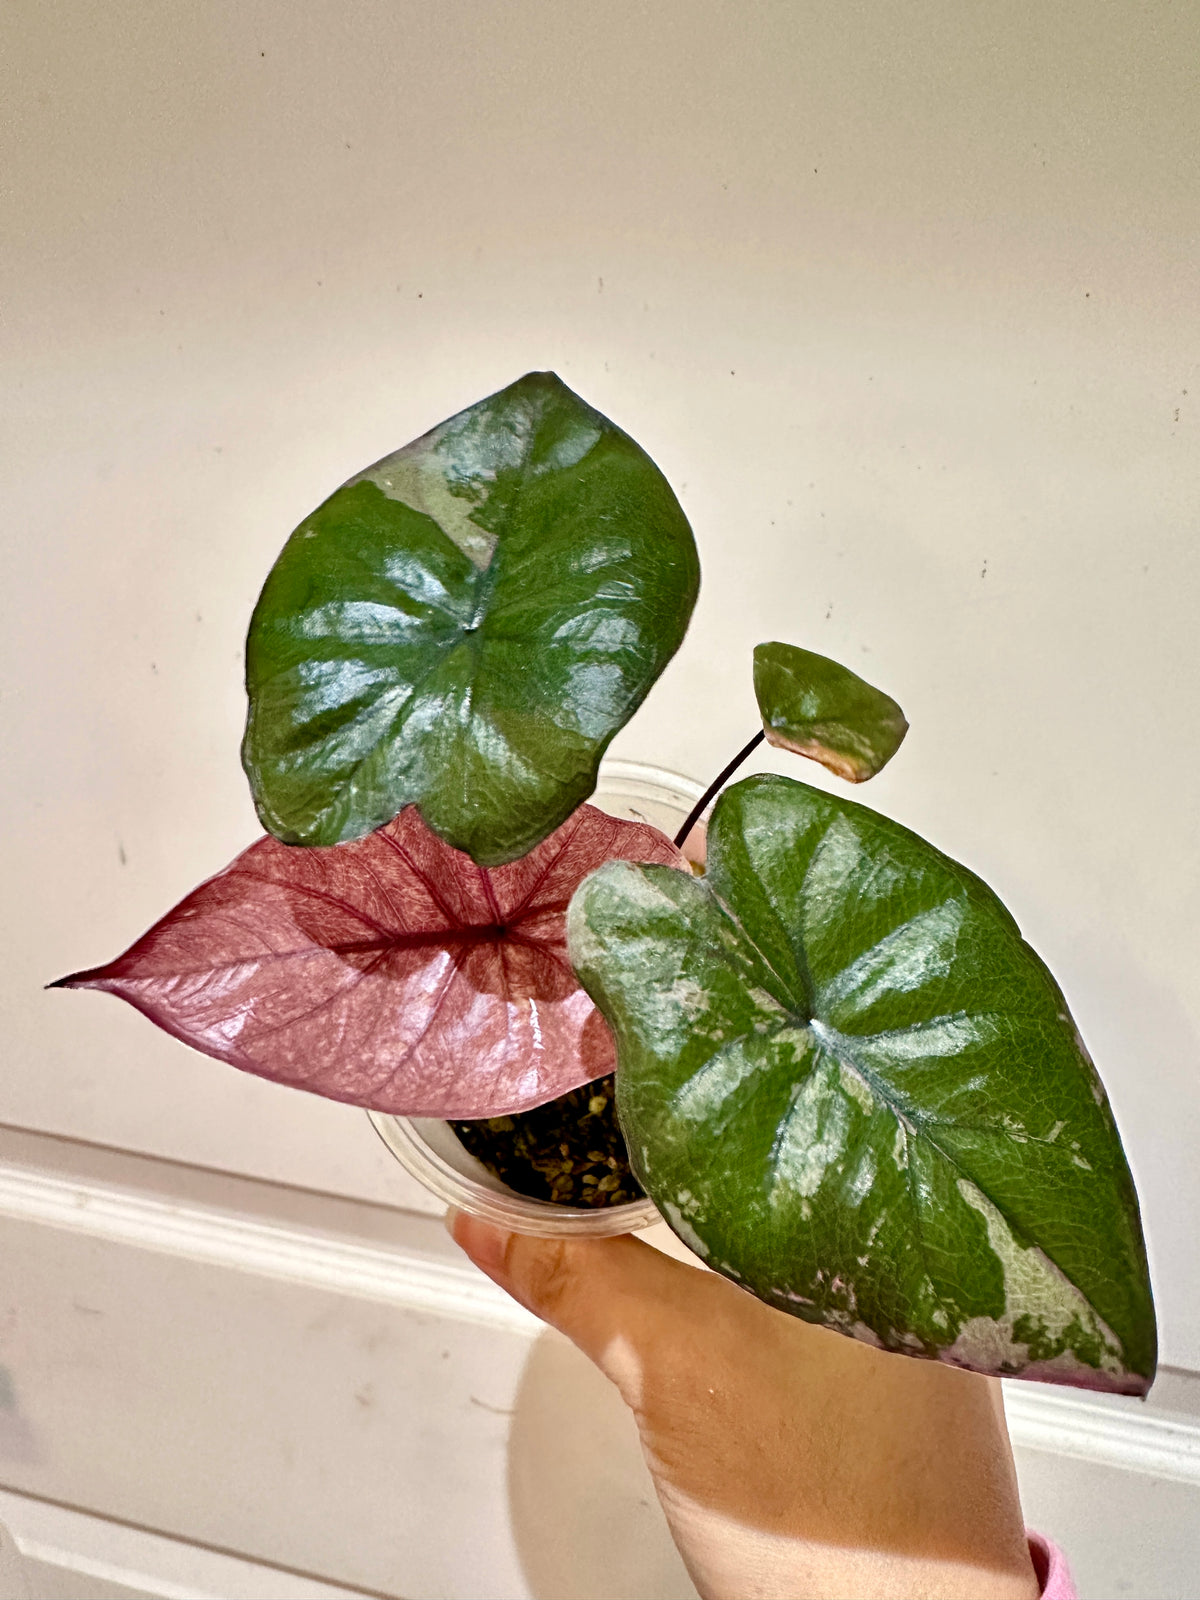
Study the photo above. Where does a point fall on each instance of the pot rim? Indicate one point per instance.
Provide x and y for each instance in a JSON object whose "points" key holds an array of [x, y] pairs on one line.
{"points": [[428, 1148]]}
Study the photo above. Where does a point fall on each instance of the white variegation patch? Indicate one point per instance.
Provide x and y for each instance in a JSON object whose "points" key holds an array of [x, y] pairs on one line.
{"points": [[865, 1335], [917, 952], [1034, 1289], [661, 1005], [811, 1141], [778, 1292], [861, 1179], [900, 1148], [415, 477], [683, 1227], [706, 1091], [925, 1041], [449, 472], [663, 1008], [836, 868], [857, 1088]]}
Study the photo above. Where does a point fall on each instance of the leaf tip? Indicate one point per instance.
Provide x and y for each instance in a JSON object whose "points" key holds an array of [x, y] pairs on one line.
{"points": [[87, 979]]}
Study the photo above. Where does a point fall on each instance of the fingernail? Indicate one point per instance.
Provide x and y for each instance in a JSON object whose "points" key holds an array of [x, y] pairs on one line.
{"points": [[482, 1241]]}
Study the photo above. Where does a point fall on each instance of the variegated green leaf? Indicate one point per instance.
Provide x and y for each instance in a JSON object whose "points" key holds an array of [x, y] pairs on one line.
{"points": [[820, 709], [849, 1085], [465, 626]]}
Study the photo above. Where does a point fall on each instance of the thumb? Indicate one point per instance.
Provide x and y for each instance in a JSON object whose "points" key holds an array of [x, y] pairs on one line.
{"points": [[609, 1296]]}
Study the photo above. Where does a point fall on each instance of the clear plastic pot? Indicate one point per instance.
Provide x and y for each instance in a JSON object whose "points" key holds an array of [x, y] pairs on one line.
{"points": [[428, 1148]]}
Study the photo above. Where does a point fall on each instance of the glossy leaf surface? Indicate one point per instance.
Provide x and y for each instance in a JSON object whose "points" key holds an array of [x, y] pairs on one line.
{"points": [[392, 972], [817, 708], [465, 626], [851, 1086]]}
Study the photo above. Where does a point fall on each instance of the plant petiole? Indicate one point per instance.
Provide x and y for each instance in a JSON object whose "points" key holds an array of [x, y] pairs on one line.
{"points": [[718, 783]]}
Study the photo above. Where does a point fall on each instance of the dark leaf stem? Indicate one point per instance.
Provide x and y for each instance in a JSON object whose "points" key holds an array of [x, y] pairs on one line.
{"points": [[718, 783]]}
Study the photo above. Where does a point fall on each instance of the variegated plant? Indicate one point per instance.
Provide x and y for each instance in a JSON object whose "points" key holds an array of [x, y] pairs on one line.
{"points": [[844, 1078]]}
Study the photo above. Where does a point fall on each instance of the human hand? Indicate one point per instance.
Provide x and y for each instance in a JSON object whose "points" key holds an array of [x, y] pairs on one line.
{"points": [[790, 1461]]}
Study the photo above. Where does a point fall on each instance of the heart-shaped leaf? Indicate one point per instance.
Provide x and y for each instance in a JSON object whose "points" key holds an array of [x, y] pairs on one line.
{"points": [[391, 972], [817, 708], [850, 1085], [465, 626]]}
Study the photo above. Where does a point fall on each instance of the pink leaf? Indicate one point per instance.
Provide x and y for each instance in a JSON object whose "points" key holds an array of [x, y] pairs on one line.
{"points": [[391, 972]]}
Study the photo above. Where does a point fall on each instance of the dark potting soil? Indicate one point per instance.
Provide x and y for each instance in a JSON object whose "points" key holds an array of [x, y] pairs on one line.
{"points": [[570, 1150]]}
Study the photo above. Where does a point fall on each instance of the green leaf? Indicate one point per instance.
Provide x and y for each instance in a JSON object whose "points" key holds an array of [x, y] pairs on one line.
{"points": [[850, 1086], [465, 626], [817, 708]]}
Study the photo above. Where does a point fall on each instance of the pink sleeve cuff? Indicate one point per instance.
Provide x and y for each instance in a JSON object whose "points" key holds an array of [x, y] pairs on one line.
{"points": [[1052, 1570]]}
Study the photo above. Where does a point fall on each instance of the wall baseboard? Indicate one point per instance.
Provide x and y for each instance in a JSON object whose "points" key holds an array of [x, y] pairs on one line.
{"points": [[1108, 1431], [316, 1260], [65, 1551]]}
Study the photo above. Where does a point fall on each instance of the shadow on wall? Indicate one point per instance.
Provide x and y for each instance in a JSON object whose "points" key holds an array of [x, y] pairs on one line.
{"points": [[586, 1522]]}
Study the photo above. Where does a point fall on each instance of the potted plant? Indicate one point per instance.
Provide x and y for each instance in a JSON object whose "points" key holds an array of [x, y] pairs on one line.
{"points": [[839, 1073]]}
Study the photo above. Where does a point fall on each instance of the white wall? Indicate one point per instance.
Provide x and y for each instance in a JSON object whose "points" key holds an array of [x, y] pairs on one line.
{"points": [[902, 298]]}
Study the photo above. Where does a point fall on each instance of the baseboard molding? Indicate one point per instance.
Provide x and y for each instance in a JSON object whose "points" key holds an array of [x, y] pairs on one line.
{"points": [[391, 1274], [1071, 1423], [1108, 1431], [70, 1552]]}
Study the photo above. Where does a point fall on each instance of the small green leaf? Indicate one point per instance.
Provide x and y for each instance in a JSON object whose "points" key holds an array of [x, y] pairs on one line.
{"points": [[465, 626], [850, 1086], [817, 708]]}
